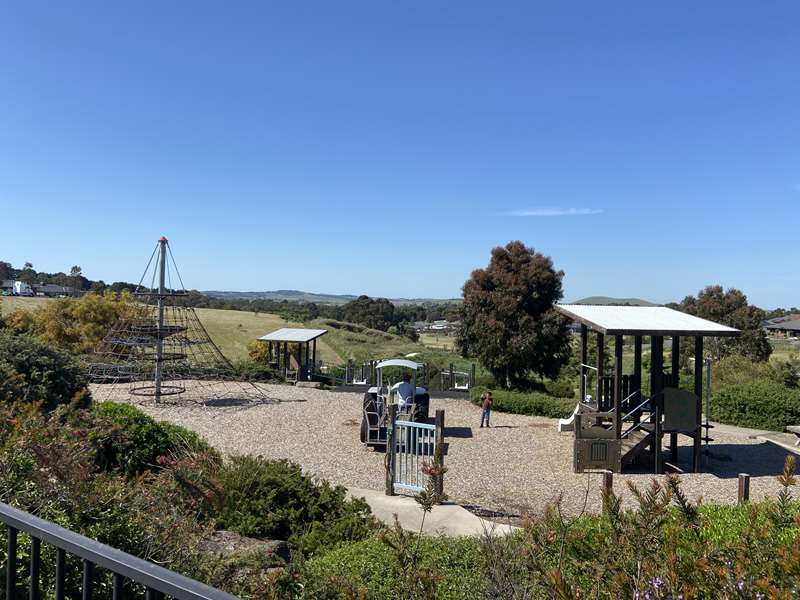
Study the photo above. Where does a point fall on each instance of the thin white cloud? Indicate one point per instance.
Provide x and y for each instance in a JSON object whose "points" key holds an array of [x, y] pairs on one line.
{"points": [[552, 212]]}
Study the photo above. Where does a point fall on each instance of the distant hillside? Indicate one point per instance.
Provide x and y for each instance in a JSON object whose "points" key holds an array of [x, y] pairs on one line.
{"points": [[604, 300], [299, 296]]}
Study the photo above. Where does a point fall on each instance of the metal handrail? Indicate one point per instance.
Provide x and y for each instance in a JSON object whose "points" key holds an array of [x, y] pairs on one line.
{"points": [[633, 427], [122, 564], [645, 401], [636, 426]]}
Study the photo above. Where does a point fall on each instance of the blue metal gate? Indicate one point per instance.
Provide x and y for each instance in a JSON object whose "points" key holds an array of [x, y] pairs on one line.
{"points": [[415, 445]]}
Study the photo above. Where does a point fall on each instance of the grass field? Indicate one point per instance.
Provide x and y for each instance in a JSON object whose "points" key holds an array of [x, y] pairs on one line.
{"points": [[437, 341], [231, 330], [784, 349], [11, 303], [361, 343]]}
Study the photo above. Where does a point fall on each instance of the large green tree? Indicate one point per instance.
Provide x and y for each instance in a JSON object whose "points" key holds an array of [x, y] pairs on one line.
{"points": [[507, 317], [376, 313], [730, 307]]}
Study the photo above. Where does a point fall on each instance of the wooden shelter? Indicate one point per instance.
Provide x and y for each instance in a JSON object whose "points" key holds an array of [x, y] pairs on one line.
{"points": [[294, 351], [621, 422]]}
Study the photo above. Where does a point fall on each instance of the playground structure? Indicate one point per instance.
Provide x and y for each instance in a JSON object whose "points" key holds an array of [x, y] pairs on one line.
{"points": [[457, 381], [158, 348], [293, 352], [380, 398], [613, 428]]}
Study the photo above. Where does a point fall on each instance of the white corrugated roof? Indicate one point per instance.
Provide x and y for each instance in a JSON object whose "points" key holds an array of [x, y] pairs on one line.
{"points": [[397, 362], [643, 320], [289, 334]]}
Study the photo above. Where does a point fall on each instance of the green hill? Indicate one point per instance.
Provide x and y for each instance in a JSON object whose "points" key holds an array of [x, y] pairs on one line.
{"points": [[608, 300]]}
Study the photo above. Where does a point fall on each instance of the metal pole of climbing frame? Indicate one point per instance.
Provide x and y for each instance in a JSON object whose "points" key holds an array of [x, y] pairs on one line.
{"points": [[162, 268]]}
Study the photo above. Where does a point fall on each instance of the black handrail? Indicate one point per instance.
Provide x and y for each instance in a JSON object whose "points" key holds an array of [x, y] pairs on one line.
{"points": [[157, 580]]}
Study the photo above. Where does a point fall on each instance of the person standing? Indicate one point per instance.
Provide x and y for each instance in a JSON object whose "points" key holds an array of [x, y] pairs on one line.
{"points": [[486, 407]]}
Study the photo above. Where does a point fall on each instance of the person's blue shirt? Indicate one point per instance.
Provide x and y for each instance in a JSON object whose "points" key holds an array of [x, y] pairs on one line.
{"points": [[405, 393]]}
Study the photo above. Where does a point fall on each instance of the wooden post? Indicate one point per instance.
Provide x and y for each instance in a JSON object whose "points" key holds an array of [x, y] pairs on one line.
{"points": [[452, 377], [285, 357], [314, 355], [607, 485], [698, 391], [675, 352], [675, 355], [618, 386], [584, 345], [472, 376], [656, 396], [601, 348], [391, 449], [744, 488], [439, 445], [637, 376]]}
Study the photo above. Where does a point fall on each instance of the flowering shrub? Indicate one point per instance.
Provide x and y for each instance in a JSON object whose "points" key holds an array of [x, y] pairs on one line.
{"points": [[665, 548], [276, 500], [133, 442], [33, 372]]}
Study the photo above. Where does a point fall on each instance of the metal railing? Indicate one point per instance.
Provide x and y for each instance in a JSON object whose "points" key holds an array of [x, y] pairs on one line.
{"points": [[410, 446], [157, 581], [415, 444]]}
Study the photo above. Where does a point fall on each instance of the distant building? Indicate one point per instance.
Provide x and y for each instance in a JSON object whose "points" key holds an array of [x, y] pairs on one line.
{"points": [[784, 327], [52, 290], [11, 287], [439, 326]]}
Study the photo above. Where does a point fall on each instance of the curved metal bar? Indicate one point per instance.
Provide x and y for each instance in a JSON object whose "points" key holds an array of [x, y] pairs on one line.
{"points": [[151, 575]]}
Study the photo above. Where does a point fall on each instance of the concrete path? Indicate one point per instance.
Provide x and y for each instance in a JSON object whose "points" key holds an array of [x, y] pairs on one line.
{"points": [[787, 441], [446, 519], [736, 430]]}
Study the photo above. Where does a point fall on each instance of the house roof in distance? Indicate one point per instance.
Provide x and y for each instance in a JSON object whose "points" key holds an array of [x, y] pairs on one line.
{"points": [[789, 325], [295, 335], [643, 320]]}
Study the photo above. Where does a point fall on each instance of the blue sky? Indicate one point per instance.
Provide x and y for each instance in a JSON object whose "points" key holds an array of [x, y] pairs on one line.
{"points": [[386, 147]]}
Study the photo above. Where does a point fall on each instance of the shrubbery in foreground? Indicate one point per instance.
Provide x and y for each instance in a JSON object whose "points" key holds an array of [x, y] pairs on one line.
{"points": [[666, 547], [31, 371]]}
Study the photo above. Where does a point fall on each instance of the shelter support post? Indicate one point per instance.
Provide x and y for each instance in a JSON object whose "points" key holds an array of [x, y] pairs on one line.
{"points": [[657, 396], [584, 344], [391, 449], [698, 391], [314, 356], [601, 348], [618, 386], [675, 359], [637, 376]]}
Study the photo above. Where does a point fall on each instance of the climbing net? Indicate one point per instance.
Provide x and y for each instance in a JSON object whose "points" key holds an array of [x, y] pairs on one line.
{"points": [[159, 351]]}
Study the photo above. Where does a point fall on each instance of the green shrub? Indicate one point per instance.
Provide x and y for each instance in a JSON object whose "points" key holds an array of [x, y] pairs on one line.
{"points": [[759, 404], [48, 467], [34, 372], [134, 441], [737, 369], [560, 388], [527, 403], [373, 565], [254, 370], [276, 500]]}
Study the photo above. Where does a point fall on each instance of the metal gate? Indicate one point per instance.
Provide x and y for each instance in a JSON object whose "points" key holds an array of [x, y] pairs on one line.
{"points": [[412, 446]]}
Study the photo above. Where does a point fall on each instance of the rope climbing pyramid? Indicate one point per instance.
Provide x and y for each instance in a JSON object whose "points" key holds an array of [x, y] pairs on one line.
{"points": [[159, 351]]}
